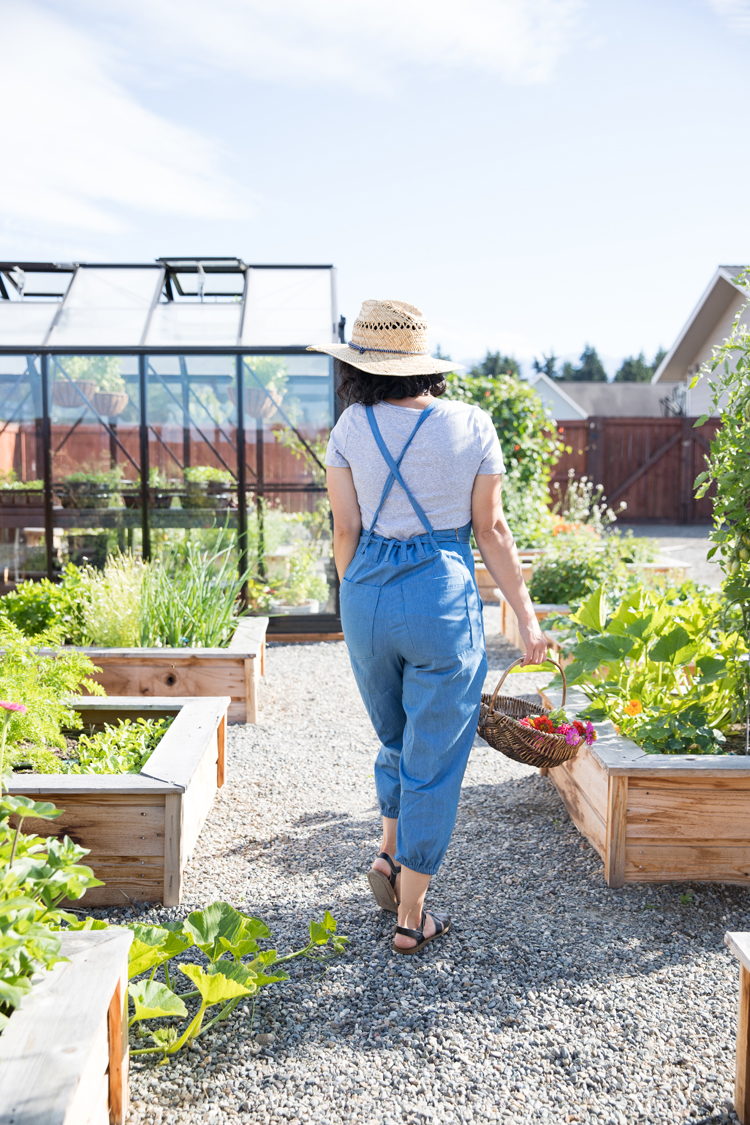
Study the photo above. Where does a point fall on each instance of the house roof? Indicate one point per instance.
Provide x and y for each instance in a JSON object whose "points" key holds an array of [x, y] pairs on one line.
{"points": [[555, 388], [612, 400], [721, 292]]}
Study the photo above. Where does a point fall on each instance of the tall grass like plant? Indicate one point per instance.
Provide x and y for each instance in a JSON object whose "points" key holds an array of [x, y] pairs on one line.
{"points": [[111, 602], [190, 598]]}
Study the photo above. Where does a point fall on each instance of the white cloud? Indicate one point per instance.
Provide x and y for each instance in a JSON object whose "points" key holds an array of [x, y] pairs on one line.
{"points": [[78, 149], [360, 45], [736, 12]]}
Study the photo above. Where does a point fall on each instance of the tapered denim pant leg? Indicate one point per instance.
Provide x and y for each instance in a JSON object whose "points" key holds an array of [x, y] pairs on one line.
{"points": [[412, 621]]}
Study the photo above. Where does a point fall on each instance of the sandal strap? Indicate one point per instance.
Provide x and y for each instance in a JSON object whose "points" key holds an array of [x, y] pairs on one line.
{"points": [[418, 935], [395, 870]]}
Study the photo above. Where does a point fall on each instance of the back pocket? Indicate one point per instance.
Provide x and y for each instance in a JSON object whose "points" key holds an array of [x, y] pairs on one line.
{"points": [[358, 604], [437, 617]]}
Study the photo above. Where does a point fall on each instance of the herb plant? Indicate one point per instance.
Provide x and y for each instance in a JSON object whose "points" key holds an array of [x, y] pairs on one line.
{"points": [[124, 748]]}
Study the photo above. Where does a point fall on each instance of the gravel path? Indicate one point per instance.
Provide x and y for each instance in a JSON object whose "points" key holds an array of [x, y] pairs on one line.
{"points": [[553, 998]]}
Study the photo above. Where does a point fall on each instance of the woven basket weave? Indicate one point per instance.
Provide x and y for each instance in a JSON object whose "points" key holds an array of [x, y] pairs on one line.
{"points": [[500, 726]]}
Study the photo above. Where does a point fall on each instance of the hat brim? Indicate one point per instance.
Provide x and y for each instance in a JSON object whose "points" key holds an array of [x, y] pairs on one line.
{"points": [[384, 363]]}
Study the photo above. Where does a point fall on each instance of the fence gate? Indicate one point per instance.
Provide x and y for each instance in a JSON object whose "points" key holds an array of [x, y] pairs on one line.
{"points": [[649, 463]]}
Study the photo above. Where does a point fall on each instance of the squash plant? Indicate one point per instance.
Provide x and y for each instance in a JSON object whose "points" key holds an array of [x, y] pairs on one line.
{"points": [[224, 937], [728, 468], [664, 672]]}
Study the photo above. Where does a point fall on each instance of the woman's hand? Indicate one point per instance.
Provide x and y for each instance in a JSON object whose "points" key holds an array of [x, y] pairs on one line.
{"points": [[534, 643]]}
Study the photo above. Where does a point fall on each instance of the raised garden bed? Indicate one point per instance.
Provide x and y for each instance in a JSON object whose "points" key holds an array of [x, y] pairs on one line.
{"points": [[140, 828], [65, 1050], [509, 621], [657, 818], [182, 672]]}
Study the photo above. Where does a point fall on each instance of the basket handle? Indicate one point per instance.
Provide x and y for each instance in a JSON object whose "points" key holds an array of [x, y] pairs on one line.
{"points": [[547, 660]]}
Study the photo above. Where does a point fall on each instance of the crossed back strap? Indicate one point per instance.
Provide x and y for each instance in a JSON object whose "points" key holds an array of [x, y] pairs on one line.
{"points": [[395, 473]]}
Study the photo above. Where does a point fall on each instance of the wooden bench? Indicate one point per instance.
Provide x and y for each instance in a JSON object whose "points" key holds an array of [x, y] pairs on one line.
{"points": [[739, 944], [65, 1050]]}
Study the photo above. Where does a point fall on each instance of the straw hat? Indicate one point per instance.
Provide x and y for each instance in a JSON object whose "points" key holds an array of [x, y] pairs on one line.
{"points": [[388, 338]]}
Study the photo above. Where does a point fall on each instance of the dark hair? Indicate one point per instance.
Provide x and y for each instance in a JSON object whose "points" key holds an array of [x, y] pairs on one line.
{"points": [[353, 385]]}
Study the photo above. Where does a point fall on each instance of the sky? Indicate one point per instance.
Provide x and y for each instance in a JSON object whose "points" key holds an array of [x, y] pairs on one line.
{"points": [[535, 175]]}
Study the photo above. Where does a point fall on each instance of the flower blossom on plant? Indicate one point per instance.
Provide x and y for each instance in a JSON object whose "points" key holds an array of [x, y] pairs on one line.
{"points": [[634, 707], [6, 706], [573, 732]]}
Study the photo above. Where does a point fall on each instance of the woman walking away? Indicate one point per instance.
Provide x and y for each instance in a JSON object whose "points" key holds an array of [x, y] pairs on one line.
{"points": [[408, 478]]}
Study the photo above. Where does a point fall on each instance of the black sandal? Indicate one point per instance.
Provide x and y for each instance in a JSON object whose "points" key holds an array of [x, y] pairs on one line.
{"points": [[442, 925], [384, 886]]}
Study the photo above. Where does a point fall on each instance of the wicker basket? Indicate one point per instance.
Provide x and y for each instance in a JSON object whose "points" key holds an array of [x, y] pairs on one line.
{"points": [[500, 726]]}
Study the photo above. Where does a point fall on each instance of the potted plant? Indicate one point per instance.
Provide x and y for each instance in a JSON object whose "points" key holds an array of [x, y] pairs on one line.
{"points": [[208, 487], [305, 588], [87, 489], [15, 492], [99, 378]]}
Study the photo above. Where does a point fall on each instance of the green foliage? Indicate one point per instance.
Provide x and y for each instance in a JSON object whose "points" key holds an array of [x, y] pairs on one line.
{"points": [[124, 748], [190, 597], [495, 364], [110, 601], [112, 478], [584, 504], [635, 369], [198, 474], [9, 480], [304, 582], [728, 468], [43, 685], [36, 876], [664, 671], [46, 608], [547, 365], [529, 444], [576, 564], [590, 369], [224, 937]]}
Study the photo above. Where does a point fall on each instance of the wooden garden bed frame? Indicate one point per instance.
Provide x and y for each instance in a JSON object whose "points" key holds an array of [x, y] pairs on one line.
{"points": [[657, 818], [65, 1050], [140, 828], [183, 672]]}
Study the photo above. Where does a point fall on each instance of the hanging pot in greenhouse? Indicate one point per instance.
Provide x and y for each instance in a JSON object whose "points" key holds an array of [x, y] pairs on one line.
{"points": [[70, 395], [258, 403], [110, 405]]}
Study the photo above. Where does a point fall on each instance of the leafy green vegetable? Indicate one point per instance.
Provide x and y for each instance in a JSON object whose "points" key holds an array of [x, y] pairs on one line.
{"points": [[124, 748]]}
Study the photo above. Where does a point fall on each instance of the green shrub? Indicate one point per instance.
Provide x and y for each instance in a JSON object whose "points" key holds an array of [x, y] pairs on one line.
{"points": [[122, 749], [111, 602]]}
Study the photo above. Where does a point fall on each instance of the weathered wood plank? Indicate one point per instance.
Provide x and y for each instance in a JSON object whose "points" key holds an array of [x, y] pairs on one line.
{"points": [[688, 814], [173, 851], [739, 944], [742, 1051], [664, 863], [724, 783], [221, 743], [589, 775], [118, 1046], [585, 817], [114, 828], [181, 750], [55, 1047], [197, 800], [617, 811]]}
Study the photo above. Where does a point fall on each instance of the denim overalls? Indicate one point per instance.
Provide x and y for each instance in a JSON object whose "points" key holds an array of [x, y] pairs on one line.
{"points": [[412, 620]]}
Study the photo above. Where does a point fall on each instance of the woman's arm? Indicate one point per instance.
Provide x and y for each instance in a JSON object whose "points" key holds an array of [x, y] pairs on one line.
{"points": [[347, 522], [500, 556]]}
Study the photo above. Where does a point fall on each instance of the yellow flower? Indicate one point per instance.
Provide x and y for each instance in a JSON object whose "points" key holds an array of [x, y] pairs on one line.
{"points": [[634, 707]]}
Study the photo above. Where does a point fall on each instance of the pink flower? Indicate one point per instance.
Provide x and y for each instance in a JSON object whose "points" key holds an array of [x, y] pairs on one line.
{"points": [[590, 733], [5, 706]]}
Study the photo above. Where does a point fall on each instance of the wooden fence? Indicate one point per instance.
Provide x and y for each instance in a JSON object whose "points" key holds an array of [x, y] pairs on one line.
{"points": [[649, 463]]}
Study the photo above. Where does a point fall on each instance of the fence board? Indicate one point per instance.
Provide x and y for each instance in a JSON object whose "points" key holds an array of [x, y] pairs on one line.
{"points": [[649, 463]]}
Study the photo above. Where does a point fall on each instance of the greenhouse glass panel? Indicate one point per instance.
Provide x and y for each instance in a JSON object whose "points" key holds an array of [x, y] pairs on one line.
{"points": [[288, 417], [285, 307], [22, 541], [107, 307], [95, 455], [192, 450], [25, 323], [177, 325]]}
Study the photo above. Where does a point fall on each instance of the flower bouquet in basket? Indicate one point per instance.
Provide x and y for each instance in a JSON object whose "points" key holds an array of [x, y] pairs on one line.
{"points": [[559, 722]]}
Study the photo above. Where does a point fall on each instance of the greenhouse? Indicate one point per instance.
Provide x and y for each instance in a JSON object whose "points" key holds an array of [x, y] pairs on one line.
{"points": [[141, 403]]}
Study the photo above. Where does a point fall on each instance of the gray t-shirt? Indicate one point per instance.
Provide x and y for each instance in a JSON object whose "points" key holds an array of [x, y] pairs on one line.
{"points": [[453, 445]]}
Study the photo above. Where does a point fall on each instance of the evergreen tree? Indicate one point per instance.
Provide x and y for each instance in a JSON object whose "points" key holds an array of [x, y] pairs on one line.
{"points": [[635, 369], [495, 364], [547, 365], [590, 370]]}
